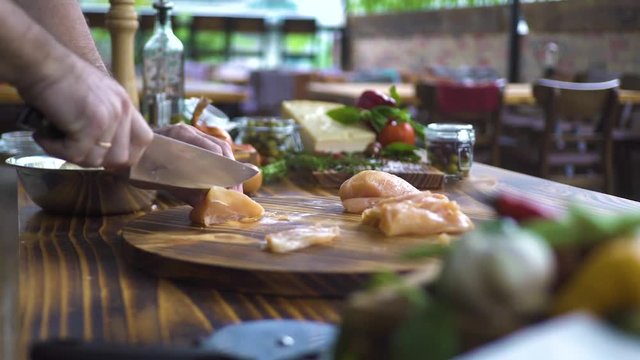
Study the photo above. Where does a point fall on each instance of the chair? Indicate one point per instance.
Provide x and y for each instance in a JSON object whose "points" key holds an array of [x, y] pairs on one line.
{"points": [[628, 118], [298, 41], [576, 146], [479, 104]]}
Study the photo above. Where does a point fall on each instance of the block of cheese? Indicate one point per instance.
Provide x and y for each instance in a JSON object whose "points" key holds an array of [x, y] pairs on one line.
{"points": [[321, 133]]}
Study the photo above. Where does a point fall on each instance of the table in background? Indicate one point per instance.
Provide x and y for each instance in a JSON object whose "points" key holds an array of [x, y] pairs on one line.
{"points": [[215, 91], [75, 283], [348, 93]]}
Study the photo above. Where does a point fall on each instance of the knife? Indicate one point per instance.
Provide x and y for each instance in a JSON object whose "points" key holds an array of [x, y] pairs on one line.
{"points": [[258, 339], [166, 162]]}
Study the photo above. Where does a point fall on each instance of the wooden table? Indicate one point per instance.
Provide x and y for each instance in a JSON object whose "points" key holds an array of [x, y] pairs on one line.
{"points": [[75, 283], [348, 93], [218, 93]]}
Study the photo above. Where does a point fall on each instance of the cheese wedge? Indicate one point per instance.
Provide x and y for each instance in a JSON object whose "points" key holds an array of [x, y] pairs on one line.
{"points": [[320, 133]]}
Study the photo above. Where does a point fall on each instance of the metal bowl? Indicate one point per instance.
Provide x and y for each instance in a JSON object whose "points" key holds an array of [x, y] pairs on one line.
{"points": [[64, 188]]}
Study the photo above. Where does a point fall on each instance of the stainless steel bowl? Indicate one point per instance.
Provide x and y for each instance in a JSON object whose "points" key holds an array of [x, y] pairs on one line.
{"points": [[64, 188]]}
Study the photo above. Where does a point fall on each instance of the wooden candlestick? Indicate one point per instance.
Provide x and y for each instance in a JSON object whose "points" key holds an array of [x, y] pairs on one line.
{"points": [[122, 22]]}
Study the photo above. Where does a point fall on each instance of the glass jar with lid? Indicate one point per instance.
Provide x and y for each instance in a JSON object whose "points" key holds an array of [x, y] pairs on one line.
{"points": [[272, 137], [450, 148]]}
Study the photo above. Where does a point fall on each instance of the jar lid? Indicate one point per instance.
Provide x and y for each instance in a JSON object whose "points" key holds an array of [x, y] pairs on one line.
{"points": [[450, 131]]}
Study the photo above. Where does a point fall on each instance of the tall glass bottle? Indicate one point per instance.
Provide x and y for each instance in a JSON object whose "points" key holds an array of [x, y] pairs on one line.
{"points": [[163, 71]]}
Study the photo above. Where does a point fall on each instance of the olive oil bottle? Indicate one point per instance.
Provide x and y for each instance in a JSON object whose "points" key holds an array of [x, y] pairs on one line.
{"points": [[163, 71]]}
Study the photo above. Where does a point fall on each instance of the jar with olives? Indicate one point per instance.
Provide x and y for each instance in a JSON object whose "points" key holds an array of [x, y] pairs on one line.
{"points": [[450, 148], [271, 136]]}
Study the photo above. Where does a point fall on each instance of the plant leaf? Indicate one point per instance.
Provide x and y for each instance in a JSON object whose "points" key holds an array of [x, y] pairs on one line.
{"points": [[399, 147], [428, 333], [345, 115], [274, 171], [427, 250], [418, 128], [378, 119], [393, 92]]}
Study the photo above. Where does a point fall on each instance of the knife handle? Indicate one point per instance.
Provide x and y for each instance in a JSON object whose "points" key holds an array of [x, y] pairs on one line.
{"points": [[78, 350], [32, 119]]}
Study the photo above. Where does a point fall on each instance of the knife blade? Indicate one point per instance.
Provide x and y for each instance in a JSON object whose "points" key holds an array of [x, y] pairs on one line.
{"points": [[171, 162], [166, 162]]}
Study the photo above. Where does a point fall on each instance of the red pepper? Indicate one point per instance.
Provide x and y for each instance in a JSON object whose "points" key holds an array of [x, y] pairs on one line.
{"points": [[521, 208]]}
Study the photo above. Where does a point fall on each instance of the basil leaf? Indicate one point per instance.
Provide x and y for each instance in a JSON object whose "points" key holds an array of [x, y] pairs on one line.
{"points": [[399, 148], [428, 333], [418, 128], [378, 119], [393, 92], [346, 115], [401, 151], [427, 250], [274, 171]]}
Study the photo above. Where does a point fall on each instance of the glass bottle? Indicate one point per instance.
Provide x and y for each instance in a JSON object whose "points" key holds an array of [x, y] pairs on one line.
{"points": [[163, 71], [450, 148]]}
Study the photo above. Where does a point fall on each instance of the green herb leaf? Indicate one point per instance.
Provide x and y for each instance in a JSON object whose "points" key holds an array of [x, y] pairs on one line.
{"points": [[427, 250], [346, 115], [393, 92], [401, 151], [428, 333], [274, 171], [418, 128], [378, 119], [399, 147], [382, 279]]}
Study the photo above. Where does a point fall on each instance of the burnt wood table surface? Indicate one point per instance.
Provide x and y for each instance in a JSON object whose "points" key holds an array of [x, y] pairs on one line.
{"points": [[74, 282]]}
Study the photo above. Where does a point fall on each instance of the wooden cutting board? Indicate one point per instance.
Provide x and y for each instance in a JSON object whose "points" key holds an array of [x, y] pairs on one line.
{"points": [[231, 256], [420, 175]]}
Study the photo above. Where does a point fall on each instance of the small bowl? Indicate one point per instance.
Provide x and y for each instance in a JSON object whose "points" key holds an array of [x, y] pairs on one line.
{"points": [[64, 188], [20, 143]]}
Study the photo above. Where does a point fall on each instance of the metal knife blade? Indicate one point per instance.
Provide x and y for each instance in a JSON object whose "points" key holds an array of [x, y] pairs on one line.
{"points": [[170, 162]]}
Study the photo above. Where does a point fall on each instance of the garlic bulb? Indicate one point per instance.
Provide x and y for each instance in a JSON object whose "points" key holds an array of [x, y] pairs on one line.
{"points": [[499, 270]]}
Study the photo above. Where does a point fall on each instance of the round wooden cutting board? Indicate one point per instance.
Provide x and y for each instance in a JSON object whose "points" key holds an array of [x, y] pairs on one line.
{"points": [[231, 256]]}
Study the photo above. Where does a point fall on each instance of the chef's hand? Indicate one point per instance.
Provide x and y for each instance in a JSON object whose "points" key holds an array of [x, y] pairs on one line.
{"points": [[101, 125], [193, 136]]}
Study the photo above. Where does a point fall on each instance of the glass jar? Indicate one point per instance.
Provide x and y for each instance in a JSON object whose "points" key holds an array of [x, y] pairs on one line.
{"points": [[271, 136], [450, 148], [163, 71]]}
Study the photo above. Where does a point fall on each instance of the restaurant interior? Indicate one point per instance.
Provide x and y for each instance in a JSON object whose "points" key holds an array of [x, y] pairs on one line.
{"points": [[281, 50], [542, 96]]}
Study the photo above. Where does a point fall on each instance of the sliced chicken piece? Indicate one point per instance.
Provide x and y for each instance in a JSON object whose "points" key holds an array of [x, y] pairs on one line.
{"points": [[222, 205], [300, 238], [424, 213], [367, 187]]}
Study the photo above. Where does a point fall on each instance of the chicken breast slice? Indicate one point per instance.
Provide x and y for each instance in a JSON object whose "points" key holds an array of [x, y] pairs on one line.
{"points": [[425, 213], [222, 205], [300, 238]]}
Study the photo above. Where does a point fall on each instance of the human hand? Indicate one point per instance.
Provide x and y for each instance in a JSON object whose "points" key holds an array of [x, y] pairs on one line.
{"points": [[101, 125], [193, 136]]}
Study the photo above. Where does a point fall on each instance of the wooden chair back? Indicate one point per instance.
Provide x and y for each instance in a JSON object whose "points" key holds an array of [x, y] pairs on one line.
{"points": [[486, 117], [577, 145]]}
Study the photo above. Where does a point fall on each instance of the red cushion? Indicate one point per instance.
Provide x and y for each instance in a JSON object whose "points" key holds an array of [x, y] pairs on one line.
{"points": [[457, 97]]}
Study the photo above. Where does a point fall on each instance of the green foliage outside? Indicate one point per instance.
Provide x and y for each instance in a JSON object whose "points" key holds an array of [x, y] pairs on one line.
{"points": [[360, 7], [214, 41]]}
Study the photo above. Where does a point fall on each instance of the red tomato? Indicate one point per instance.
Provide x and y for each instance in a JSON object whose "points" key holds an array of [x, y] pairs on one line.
{"points": [[396, 131]]}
